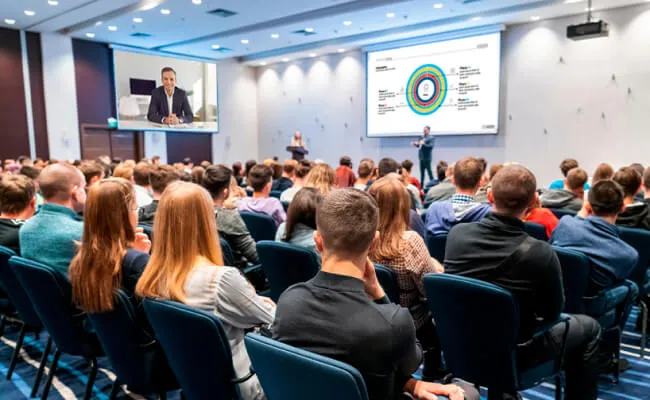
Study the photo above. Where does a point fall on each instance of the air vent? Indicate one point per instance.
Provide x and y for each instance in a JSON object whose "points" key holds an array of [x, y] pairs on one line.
{"points": [[304, 32], [222, 12], [468, 1], [140, 35], [222, 49]]}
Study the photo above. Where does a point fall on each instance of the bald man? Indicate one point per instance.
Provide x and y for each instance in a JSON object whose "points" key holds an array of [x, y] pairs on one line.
{"points": [[49, 237]]}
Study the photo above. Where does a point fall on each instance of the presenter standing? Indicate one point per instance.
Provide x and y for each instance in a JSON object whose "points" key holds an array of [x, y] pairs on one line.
{"points": [[298, 148], [297, 140], [169, 105], [425, 144]]}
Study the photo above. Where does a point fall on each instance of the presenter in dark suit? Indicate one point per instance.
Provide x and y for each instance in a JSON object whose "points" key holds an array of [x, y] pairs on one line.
{"points": [[425, 144], [160, 109]]}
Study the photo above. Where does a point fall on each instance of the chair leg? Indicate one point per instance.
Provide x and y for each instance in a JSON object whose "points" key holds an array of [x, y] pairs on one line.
{"points": [[2, 324], [39, 374], [19, 346], [48, 383], [114, 389], [91, 379], [163, 396], [558, 387], [644, 325]]}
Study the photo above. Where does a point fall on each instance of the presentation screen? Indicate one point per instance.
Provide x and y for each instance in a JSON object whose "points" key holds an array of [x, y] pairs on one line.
{"points": [[450, 86], [143, 93]]}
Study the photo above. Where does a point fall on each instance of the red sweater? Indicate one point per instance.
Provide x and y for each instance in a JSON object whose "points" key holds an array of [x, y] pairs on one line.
{"points": [[543, 216], [345, 177]]}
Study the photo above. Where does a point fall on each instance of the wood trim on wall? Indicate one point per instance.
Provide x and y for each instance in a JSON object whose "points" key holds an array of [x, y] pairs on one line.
{"points": [[35, 60]]}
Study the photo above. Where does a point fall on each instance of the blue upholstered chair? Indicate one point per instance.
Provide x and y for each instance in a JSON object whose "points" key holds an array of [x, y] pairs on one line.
{"points": [[197, 349], [561, 212], [51, 294], [459, 305], [261, 226], [28, 318], [276, 194], [436, 245], [289, 373], [226, 251], [136, 358], [388, 280], [285, 205], [249, 192], [535, 230], [285, 265]]}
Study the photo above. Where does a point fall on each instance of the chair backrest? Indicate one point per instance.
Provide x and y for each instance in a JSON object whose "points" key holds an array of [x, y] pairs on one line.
{"points": [[285, 265], [249, 192], [388, 280], [289, 373], [276, 194], [535, 230], [575, 278], [285, 205], [460, 306], [561, 212], [51, 294], [15, 292], [261, 226], [436, 245], [196, 347], [640, 240], [226, 251]]}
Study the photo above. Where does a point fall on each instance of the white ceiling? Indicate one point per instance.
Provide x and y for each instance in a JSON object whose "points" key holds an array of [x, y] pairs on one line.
{"points": [[188, 28]]}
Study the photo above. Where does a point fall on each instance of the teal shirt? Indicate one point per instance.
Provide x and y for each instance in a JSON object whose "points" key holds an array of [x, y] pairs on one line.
{"points": [[49, 237]]}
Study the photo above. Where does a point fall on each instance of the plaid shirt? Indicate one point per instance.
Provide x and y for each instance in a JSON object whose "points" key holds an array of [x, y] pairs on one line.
{"points": [[462, 199], [410, 266]]}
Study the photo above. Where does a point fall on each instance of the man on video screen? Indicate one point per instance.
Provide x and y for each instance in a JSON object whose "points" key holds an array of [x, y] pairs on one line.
{"points": [[169, 105]]}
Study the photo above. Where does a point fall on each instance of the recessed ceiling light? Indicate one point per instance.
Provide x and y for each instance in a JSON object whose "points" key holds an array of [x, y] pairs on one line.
{"points": [[90, 35], [98, 23], [390, 15], [216, 46], [263, 63], [438, 5], [244, 41], [341, 50], [196, 2], [10, 21], [150, 6], [309, 29], [535, 18], [165, 11], [347, 23], [29, 13], [285, 60], [573, 1], [112, 28], [53, 2], [589, 9], [275, 35], [312, 55], [137, 20], [476, 19]]}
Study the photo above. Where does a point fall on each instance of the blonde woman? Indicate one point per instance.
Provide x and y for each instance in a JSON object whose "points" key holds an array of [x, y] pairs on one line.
{"points": [[321, 177], [186, 265]]}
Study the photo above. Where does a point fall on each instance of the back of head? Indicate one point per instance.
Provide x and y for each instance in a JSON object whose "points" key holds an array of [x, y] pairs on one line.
{"points": [[187, 161], [646, 179], [606, 198], [185, 230], [30, 172], [345, 161], [91, 169], [370, 161], [467, 173], [388, 165], [441, 170], [576, 179], [260, 176], [603, 172], [494, 169], [567, 165], [249, 165], [365, 170], [302, 210], [513, 190], [16, 193], [276, 167], [124, 171], [321, 177], [289, 167], [630, 181], [197, 174], [638, 167], [394, 203], [237, 168], [58, 181], [216, 179], [162, 176], [142, 174], [347, 222], [303, 168], [407, 165]]}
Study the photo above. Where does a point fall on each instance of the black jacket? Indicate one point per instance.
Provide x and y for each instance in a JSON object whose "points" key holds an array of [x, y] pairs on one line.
{"points": [[159, 108], [636, 215]]}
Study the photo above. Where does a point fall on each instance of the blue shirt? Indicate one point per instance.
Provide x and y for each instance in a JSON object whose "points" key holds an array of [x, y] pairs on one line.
{"points": [[51, 236], [427, 147], [559, 184], [612, 259]]}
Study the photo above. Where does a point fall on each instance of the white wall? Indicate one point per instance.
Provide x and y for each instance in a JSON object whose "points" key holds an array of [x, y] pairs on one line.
{"points": [[60, 97]]}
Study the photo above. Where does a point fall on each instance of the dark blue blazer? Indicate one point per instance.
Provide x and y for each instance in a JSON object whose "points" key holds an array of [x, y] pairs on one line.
{"points": [[159, 109]]}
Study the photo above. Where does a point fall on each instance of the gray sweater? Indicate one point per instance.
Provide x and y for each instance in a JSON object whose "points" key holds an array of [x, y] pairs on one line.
{"points": [[232, 228]]}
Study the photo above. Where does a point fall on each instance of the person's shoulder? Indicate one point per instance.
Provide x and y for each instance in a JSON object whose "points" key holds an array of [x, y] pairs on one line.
{"points": [[135, 256], [179, 91]]}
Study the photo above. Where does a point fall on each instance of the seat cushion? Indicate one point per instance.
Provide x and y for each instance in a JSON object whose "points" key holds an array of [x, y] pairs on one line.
{"points": [[605, 301]]}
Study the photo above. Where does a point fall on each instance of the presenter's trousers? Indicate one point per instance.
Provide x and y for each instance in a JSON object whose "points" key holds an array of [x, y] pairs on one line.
{"points": [[425, 165]]}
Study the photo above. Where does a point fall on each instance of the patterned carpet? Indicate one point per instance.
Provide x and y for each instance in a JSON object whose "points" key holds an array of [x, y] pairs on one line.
{"points": [[71, 375]]}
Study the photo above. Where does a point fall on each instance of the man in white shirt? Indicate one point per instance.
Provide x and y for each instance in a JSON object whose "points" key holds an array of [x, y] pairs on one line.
{"points": [[169, 104]]}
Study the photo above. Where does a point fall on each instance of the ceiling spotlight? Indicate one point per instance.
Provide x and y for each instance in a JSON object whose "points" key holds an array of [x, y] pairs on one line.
{"points": [[244, 41], [98, 23], [90, 35], [573, 1], [165, 11], [53, 2], [275, 35], [150, 6], [29, 13], [390, 15], [112, 28], [197, 2], [312, 55], [285, 60], [341, 50], [263, 63], [476, 19], [10, 21], [137, 20], [347, 23], [438, 5], [535, 18], [309, 30], [589, 9], [215, 46]]}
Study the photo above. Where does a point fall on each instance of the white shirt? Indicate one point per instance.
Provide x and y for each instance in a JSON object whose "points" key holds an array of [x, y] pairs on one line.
{"points": [[142, 196], [170, 102]]}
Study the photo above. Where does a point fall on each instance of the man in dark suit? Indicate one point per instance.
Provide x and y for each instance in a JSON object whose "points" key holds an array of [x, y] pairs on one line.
{"points": [[160, 109]]}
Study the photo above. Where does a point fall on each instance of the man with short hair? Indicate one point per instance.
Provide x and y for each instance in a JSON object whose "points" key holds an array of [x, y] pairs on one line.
{"points": [[93, 172], [498, 250], [161, 177], [408, 166], [637, 212], [260, 178], [142, 187], [572, 196], [343, 312], [51, 236], [344, 174], [300, 171], [443, 190], [364, 171], [17, 205], [169, 104], [462, 207], [288, 175], [565, 166], [425, 145], [232, 228]]}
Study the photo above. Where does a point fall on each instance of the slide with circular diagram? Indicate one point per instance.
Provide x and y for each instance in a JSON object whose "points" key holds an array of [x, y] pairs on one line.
{"points": [[451, 86]]}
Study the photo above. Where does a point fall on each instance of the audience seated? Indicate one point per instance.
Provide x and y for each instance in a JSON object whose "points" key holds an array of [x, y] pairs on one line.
{"points": [[217, 181], [603, 172], [93, 172], [17, 205], [593, 233], [321, 177], [160, 177], [379, 340], [406, 253], [445, 189], [124, 171], [408, 166], [186, 265], [364, 173], [498, 250], [571, 196], [197, 174], [543, 216], [636, 213], [301, 220], [50, 236], [565, 166], [142, 187], [344, 174], [481, 194], [260, 178], [301, 171], [249, 165], [288, 175], [235, 194], [237, 172], [413, 192], [463, 207]]}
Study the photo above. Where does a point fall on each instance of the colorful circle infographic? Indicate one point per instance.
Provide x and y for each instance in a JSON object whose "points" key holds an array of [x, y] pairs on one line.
{"points": [[426, 89]]}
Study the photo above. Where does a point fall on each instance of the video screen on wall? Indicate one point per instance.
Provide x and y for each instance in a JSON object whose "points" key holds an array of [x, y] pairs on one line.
{"points": [[450, 86], [164, 93]]}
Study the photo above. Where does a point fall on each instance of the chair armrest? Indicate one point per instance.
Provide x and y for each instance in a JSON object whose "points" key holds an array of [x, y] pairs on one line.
{"points": [[251, 269], [245, 378], [546, 327]]}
